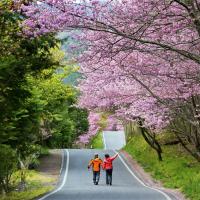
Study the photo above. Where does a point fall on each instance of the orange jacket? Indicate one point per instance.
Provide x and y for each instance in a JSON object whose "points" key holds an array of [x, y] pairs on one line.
{"points": [[96, 164]]}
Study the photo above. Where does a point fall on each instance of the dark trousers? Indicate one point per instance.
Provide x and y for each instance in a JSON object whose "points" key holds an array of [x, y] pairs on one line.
{"points": [[109, 176], [96, 176]]}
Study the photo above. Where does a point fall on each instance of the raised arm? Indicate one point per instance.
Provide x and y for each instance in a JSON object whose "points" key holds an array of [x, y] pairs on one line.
{"points": [[115, 156]]}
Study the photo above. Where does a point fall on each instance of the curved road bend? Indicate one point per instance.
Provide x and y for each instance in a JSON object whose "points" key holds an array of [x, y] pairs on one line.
{"points": [[78, 185]]}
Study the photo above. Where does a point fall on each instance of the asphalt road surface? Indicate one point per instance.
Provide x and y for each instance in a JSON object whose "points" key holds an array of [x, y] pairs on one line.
{"points": [[76, 181], [114, 139]]}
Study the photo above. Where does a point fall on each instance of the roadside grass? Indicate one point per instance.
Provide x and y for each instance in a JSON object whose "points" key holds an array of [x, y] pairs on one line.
{"points": [[27, 195], [177, 170], [97, 141], [37, 184]]}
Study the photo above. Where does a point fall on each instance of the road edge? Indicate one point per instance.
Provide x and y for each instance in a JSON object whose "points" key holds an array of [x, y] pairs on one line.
{"points": [[167, 197], [63, 175], [104, 141], [146, 178]]}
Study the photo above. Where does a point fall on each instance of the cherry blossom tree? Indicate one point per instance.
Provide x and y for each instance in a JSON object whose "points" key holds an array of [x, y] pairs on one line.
{"points": [[141, 58], [94, 128]]}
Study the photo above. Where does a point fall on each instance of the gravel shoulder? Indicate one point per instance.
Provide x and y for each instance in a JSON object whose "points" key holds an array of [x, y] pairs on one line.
{"points": [[50, 165]]}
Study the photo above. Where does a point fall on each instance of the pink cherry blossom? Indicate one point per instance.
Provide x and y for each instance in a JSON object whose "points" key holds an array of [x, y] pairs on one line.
{"points": [[140, 59]]}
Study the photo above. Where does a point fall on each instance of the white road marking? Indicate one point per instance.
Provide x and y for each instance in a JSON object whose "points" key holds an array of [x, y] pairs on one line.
{"points": [[104, 141], [62, 164], [64, 179], [132, 173]]}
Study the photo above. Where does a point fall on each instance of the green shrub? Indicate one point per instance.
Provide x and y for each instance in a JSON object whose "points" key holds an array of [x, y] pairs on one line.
{"points": [[8, 164]]}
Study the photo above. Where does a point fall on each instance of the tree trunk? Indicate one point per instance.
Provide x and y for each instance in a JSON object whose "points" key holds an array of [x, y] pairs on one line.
{"points": [[22, 184], [195, 155], [151, 140], [3, 190]]}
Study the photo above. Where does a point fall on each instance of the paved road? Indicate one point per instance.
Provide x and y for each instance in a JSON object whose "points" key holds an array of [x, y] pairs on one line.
{"points": [[114, 139], [77, 182]]}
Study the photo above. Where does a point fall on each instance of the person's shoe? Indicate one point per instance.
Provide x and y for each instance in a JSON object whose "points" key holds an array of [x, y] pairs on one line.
{"points": [[110, 183], [97, 183]]}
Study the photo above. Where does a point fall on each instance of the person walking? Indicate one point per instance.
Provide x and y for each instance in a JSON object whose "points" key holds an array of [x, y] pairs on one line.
{"points": [[108, 166], [96, 164]]}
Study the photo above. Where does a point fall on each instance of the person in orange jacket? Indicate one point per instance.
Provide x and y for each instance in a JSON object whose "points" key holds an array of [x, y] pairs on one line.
{"points": [[96, 164], [108, 166]]}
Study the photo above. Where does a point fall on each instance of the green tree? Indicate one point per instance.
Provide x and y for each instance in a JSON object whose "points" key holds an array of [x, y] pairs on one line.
{"points": [[36, 107], [8, 165], [61, 120], [20, 107]]}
